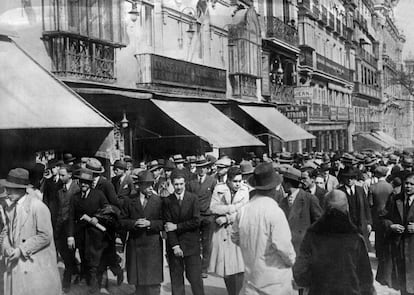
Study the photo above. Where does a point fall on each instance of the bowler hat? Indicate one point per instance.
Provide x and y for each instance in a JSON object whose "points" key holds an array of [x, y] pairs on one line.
{"points": [[246, 167], [153, 165], [144, 176], [291, 172], [178, 158], [95, 166], [349, 172], [84, 175], [67, 158], [120, 164], [169, 165], [17, 178], [264, 177], [223, 163]]}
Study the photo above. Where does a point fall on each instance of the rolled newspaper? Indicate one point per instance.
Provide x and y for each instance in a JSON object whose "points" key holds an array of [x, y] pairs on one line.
{"points": [[87, 218]]}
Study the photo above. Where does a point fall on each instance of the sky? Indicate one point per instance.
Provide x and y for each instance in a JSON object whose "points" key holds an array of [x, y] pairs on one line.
{"points": [[404, 14]]}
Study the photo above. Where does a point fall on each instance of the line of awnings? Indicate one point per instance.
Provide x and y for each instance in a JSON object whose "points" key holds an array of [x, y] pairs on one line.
{"points": [[278, 124], [32, 98], [387, 138], [208, 123], [374, 140]]}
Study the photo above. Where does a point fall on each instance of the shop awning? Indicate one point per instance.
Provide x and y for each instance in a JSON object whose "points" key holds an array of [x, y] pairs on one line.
{"points": [[387, 138], [374, 141], [32, 98], [277, 123], [205, 121]]}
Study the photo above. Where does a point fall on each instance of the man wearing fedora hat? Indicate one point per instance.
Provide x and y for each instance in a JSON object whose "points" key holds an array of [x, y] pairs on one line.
{"points": [[83, 235], [203, 187], [142, 217], [28, 240], [122, 182], [359, 209], [102, 184], [223, 165], [262, 232]]}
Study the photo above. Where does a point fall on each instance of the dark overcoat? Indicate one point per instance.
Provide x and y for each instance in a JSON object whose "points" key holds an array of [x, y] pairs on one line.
{"points": [[304, 211], [144, 259]]}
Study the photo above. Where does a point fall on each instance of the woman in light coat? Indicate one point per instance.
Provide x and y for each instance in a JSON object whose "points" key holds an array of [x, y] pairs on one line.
{"points": [[226, 257]]}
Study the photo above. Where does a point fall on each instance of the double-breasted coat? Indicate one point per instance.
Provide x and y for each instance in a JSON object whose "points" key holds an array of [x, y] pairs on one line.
{"points": [[144, 259], [36, 270], [401, 245], [304, 211], [226, 257]]}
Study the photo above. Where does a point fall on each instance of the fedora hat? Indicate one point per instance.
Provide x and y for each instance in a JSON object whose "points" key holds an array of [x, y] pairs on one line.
{"points": [[349, 171], [169, 165], [285, 158], [246, 167], [211, 159], [95, 166], [17, 178], [264, 177], [178, 159], [348, 159], [68, 157], [84, 175], [143, 176], [54, 163], [223, 162], [202, 162], [153, 165], [120, 164], [291, 172]]}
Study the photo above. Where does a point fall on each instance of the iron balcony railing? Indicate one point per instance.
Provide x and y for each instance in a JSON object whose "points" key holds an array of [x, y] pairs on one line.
{"points": [[276, 28]]}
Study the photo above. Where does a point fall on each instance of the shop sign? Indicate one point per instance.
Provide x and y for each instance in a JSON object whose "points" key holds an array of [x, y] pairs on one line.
{"points": [[303, 93], [296, 113]]}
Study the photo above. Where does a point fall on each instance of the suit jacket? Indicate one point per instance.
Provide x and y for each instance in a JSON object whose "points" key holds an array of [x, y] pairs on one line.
{"points": [[359, 210], [187, 218], [331, 183], [304, 211], [64, 199], [144, 251], [36, 270], [50, 197], [106, 187], [320, 194], [379, 194], [125, 188], [204, 192]]}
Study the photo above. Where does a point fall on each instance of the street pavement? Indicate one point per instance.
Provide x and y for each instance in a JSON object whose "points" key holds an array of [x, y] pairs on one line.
{"points": [[212, 285]]}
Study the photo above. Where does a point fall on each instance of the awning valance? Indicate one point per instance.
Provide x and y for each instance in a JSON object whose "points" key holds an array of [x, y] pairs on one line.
{"points": [[32, 98], [277, 123], [205, 121]]}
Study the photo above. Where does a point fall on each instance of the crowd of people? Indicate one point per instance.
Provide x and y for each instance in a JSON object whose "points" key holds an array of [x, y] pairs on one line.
{"points": [[286, 224]]}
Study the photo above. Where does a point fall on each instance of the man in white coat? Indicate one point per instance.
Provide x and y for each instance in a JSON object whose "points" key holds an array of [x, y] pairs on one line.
{"points": [[262, 232]]}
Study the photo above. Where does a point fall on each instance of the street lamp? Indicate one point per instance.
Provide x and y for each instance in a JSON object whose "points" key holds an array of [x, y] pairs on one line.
{"points": [[124, 122], [190, 31], [134, 13]]}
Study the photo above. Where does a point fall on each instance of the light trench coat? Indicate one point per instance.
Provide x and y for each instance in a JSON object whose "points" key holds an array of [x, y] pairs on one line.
{"points": [[36, 271], [226, 258], [263, 233]]}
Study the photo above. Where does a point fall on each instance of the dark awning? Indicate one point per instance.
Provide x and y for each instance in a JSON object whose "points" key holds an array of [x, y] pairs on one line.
{"points": [[208, 123], [277, 123], [31, 97]]}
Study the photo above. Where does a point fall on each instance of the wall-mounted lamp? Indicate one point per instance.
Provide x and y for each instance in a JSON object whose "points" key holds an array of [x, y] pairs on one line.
{"points": [[277, 74], [134, 12], [190, 31], [124, 122]]}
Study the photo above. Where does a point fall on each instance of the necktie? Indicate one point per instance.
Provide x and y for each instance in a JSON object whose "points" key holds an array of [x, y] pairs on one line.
{"points": [[200, 180], [180, 200]]}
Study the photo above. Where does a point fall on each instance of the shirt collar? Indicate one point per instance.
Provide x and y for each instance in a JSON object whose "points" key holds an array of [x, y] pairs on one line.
{"points": [[181, 196], [68, 184]]}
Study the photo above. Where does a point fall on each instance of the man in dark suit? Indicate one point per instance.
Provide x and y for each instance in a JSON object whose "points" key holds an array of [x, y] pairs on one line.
{"points": [[51, 188], [203, 187], [142, 217], [182, 222], [90, 240], [308, 181], [65, 196], [105, 186], [122, 182], [359, 209], [301, 208]]}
